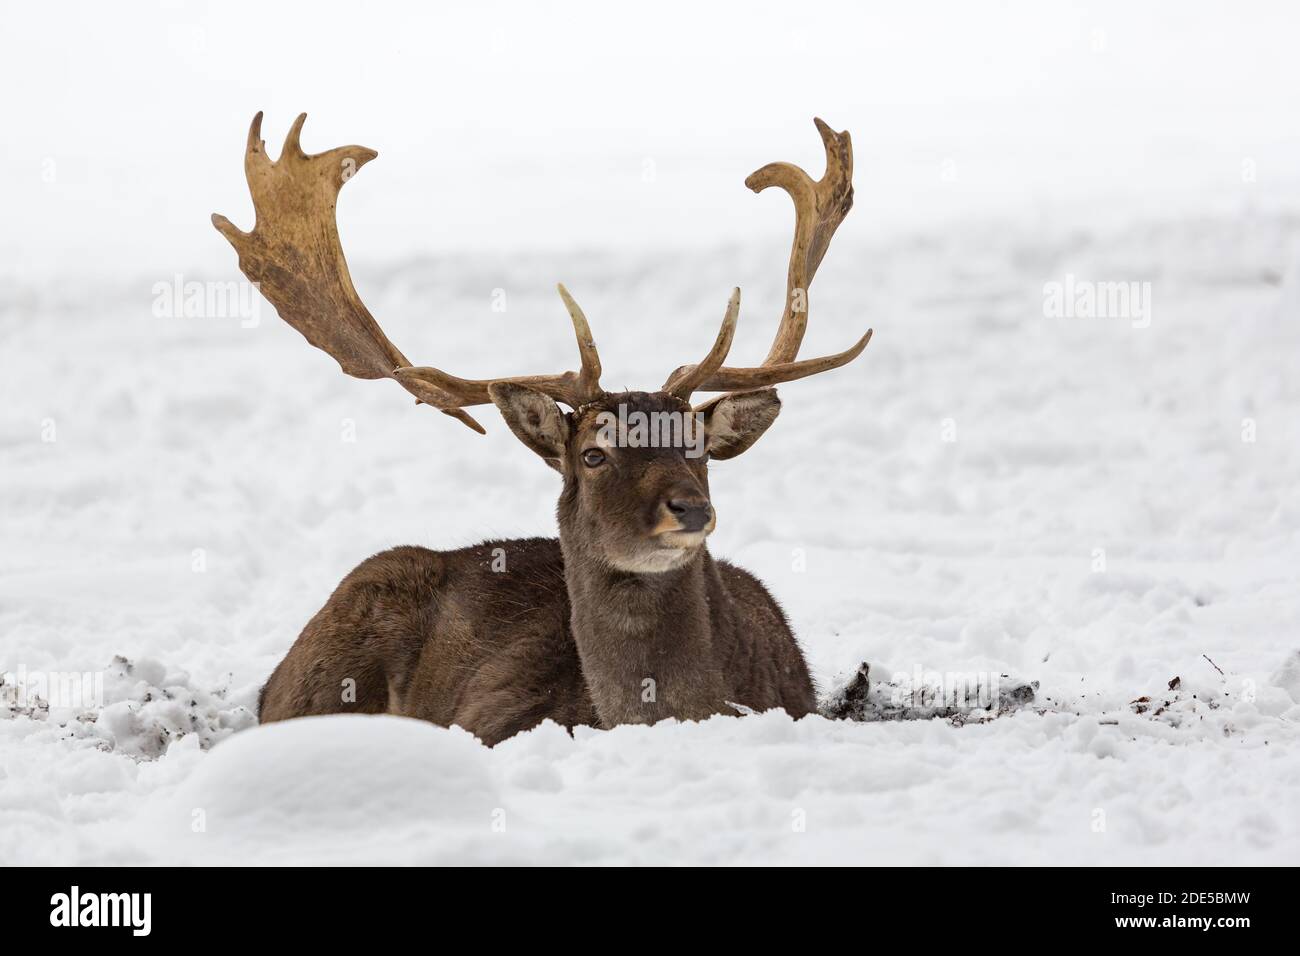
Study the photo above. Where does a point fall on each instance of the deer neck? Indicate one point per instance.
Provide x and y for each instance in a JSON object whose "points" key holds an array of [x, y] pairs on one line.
{"points": [[645, 640]]}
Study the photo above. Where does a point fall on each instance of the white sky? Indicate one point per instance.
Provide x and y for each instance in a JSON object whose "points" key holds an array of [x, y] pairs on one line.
{"points": [[513, 125]]}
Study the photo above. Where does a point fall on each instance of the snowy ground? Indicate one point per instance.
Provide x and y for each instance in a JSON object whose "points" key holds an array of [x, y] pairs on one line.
{"points": [[987, 491]]}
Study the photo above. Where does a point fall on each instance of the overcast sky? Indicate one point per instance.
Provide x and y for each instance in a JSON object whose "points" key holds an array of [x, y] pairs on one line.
{"points": [[505, 126]]}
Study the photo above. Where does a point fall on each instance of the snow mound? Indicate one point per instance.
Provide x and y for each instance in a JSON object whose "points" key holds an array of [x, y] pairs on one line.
{"points": [[343, 788]]}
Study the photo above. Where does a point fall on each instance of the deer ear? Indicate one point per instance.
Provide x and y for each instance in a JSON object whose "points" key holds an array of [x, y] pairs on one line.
{"points": [[534, 418], [734, 422]]}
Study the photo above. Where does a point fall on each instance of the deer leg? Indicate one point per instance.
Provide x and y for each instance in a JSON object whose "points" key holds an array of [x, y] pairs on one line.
{"points": [[357, 655]]}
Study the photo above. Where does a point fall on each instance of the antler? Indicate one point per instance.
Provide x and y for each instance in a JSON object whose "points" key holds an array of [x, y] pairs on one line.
{"points": [[296, 259], [819, 208]]}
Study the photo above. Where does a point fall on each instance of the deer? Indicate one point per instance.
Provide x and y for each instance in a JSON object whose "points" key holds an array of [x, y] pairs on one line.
{"points": [[625, 618]]}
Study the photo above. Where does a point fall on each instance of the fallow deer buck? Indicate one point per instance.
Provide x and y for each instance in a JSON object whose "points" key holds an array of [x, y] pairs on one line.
{"points": [[626, 618]]}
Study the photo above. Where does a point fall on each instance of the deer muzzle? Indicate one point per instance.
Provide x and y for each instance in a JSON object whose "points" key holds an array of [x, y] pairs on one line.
{"points": [[691, 514], [685, 520]]}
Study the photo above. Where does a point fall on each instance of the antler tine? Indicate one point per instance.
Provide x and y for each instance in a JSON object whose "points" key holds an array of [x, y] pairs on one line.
{"points": [[687, 379], [820, 206], [589, 376], [740, 379], [573, 388], [292, 140], [255, 135]]}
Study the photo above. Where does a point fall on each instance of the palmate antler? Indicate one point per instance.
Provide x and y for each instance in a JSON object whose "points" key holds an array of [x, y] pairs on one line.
{"points": [[294, 256], [819, 207]]}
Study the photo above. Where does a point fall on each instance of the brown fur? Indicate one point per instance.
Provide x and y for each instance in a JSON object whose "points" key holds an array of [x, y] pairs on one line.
{"points": [[497, 637]]}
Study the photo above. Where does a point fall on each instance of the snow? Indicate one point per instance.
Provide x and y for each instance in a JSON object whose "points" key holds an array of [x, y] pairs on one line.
{"points": [[988, 491]]}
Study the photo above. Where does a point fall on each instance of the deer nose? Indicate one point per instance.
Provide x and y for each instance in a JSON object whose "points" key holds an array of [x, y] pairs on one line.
{"points": [[693, 514]]}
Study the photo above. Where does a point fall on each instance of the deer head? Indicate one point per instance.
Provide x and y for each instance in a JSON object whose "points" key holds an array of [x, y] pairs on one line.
{"points": [[638, 501]]}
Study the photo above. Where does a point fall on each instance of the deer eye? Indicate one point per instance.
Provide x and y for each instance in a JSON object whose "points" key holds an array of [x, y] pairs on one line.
{"points": [[593, 457]]}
